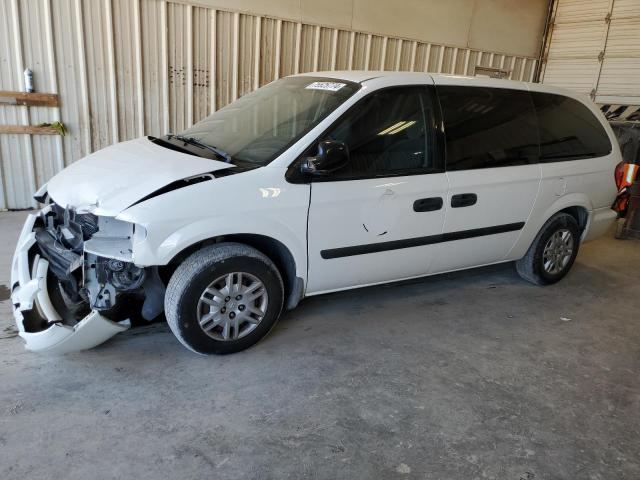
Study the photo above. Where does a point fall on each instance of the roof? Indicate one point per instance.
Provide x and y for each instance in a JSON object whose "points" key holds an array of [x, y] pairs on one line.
{"points": [[362, 76], [358, 76]]}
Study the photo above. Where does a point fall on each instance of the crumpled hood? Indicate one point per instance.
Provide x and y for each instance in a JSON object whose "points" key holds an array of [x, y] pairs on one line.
{"points": [[112, 179]]}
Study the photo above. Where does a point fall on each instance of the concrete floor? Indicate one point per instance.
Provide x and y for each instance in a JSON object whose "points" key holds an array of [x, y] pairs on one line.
{"points": [[463, 376]]}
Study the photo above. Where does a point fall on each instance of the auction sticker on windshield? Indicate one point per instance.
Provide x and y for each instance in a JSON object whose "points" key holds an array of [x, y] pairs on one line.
{"points": [[331, 86]]}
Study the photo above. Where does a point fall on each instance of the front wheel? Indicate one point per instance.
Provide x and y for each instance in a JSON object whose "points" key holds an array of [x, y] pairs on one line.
{"points": [[552, 252], [223, 298]]}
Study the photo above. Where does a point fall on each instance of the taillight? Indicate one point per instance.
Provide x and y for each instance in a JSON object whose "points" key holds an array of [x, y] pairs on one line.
{"points": [[630, 172], [625, 174]]}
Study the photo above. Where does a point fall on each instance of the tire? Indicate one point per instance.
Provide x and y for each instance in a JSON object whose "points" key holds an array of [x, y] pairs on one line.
{"points": [[533, 268], [187, 299]]}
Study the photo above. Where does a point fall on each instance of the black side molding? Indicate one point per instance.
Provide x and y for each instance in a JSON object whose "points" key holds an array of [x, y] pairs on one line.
{"points": [[419, 241]]}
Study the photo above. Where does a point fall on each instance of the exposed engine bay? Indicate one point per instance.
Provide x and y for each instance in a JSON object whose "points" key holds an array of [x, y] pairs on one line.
{"points": [[83, 268]]}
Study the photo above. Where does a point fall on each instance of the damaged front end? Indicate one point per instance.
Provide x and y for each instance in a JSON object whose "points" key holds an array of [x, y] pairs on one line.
{"points": [[74, 281]]}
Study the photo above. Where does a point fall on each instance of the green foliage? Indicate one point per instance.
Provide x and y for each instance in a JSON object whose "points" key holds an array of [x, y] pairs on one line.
{"points": [[58, 126]]}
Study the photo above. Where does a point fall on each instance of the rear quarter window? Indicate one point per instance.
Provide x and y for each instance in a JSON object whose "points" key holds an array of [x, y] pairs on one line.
{"points": [[488, 127], [568, 129]]}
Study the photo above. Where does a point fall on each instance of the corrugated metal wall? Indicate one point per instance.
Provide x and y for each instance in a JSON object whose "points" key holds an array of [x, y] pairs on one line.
{"points": [[620, 74], [127, 68], [595, 49]]}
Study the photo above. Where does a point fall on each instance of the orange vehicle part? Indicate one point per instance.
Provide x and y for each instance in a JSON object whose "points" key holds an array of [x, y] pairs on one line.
{"points": [[626, 174], [629, 173]]}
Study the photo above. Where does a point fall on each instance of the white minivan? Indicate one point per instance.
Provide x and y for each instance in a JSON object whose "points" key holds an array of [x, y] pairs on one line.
{"points": [[312, 184]]}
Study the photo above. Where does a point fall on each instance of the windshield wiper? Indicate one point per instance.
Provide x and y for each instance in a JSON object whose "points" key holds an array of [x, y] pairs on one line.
{"points": [[194, 141]]}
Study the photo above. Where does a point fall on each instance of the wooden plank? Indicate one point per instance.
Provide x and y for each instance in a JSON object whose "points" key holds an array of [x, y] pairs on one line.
{"points": [[27, 130], [29, 99]]}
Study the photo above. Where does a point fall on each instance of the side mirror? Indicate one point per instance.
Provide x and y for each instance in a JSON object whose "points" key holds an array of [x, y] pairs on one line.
{"points": [[331, 156]]}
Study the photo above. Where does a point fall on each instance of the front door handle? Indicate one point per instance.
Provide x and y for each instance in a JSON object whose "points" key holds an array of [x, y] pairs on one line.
{"points": [[463, 200], [427, 204]]}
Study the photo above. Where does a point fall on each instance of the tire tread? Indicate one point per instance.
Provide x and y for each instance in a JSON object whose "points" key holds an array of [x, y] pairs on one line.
{"points": [[195, 264]]}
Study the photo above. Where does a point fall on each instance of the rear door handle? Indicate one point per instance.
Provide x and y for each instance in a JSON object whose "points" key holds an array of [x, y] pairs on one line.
{"points": [[427, 204], [463, 200]]}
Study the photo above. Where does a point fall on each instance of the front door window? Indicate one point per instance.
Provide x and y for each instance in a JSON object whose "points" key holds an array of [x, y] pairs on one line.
{"points": [[388, 134]]}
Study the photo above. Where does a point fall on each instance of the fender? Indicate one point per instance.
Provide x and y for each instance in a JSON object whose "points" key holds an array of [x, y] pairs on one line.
{"points": [[570, 200], [203, 230], [539, 217], [257, 202]]}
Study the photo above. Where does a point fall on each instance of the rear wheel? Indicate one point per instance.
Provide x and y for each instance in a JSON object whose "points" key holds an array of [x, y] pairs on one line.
{"points": [[223, 299], [552, 252]]}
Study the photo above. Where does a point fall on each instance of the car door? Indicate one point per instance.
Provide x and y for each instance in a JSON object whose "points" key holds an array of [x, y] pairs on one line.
{"points": [[377, 219], [492, 169]]}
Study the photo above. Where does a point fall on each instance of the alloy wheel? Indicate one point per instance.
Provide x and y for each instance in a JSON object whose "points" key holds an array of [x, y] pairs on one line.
{"points": [[232, 306], [558, 251]]}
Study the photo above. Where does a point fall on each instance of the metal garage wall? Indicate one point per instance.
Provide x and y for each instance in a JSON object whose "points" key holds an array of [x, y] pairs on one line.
{"points": [[619, 80], [595, 49], [127, 68]]}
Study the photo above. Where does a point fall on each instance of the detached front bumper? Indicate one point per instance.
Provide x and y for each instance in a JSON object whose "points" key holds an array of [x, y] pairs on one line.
{"points": [[29, 296]]}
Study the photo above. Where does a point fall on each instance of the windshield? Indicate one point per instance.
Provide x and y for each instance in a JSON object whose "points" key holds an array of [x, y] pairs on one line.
{"points": [[260, 125]]}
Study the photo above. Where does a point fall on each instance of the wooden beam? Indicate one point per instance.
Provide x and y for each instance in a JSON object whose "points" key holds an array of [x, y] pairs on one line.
{"points": [[29, 99], [27, 130]]}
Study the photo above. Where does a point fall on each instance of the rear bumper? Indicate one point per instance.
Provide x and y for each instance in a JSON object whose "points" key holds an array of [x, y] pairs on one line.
{"points": [[29, 294], [599, 222]]}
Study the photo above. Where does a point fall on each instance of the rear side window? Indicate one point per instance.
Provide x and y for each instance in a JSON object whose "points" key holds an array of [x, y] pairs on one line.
{"points": [[488, 127], [568, 129]]}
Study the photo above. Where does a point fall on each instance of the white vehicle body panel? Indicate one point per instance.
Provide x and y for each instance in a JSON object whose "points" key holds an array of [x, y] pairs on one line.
{"points": [[368, 211], [505, 196], [307, 218], [360, 212], [92, 330], [112, 179], [258, 202], [587, 183]]}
